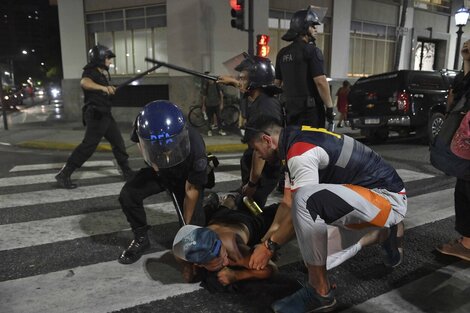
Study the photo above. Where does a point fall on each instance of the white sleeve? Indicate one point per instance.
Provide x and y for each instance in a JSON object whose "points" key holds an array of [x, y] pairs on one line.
{"points": [[304, 168]]}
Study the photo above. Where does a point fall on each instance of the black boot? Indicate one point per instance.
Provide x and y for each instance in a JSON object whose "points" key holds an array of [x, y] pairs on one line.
{"points": [[63, 177], [138, 246]]}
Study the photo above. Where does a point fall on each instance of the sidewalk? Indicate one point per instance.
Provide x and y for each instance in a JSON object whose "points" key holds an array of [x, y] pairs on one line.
{"points": [[60, 135]]}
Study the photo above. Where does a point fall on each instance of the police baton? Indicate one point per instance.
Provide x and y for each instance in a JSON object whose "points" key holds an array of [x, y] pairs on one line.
{"points": [[182, 69], [177, 206]]}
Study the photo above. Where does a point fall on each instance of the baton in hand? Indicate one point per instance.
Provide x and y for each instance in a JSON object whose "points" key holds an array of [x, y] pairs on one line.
{"points": [[130, 80], [182, 69], [177, 206]]}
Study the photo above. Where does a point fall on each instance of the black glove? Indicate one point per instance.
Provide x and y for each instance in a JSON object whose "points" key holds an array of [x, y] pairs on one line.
{"points": [[330, 116]]}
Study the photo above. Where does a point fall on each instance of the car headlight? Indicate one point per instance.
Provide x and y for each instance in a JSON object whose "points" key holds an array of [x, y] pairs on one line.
{"points": [[55, 92]]}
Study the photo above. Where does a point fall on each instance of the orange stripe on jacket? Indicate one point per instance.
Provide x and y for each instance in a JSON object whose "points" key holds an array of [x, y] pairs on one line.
{"points": [[377, 200]]}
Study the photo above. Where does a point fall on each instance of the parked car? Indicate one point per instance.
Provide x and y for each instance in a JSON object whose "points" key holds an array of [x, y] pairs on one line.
{"points": [[405, 101], [12, 99]]}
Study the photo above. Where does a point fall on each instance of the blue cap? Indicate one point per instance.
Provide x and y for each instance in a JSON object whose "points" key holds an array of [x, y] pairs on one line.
{"points": [[196, 244]]}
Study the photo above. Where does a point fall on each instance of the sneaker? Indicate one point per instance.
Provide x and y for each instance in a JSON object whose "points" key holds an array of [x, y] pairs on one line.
{"points": [[209, 133], [222, 133], [304, 300], [392, 247], [455, 248]]}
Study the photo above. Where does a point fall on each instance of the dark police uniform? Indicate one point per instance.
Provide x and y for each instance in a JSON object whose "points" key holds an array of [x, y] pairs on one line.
{"points": [[147, 182], [99, 123], [263, 105], [296, 66]]}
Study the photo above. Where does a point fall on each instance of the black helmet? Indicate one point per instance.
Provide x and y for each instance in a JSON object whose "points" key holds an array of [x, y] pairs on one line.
{"points": [[98, 54], [261, 73], [300, 22]]}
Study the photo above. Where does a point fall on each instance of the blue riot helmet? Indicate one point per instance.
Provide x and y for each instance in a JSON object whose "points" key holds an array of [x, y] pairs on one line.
{"points": [[163, 134]]}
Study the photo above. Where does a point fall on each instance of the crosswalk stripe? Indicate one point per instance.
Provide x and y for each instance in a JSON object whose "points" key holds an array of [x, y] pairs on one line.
{"points": [[235, 161], [49, 178], [82, 289], [51, 166], [458, 276], [81, 193], [409, 175], [26, 234], [437, 205]]}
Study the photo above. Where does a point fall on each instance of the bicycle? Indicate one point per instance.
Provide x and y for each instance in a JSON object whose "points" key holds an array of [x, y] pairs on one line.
{"points": [[229, 116]]}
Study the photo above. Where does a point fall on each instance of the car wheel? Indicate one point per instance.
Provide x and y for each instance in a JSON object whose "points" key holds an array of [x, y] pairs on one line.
{"points": [[434, 125]]}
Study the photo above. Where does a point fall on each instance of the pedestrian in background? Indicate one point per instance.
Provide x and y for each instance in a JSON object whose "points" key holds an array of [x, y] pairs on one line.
{"points": [[300, 71], [342, 102], [212, 105], [461, 247], [97, 117]]}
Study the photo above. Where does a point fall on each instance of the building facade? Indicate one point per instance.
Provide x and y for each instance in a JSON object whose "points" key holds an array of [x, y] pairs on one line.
{"points": [[358, 38]]}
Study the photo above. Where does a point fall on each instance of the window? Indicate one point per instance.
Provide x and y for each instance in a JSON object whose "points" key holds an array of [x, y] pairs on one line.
{"points": [[372, 49], [443, 6], [132, 34]]}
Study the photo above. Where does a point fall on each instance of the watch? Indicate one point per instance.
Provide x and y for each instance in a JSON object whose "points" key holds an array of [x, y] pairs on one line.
{"points": [[272, 246]]}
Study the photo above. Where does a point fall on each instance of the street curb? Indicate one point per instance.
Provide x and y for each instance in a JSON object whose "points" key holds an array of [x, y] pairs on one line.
{"points": [[105, 147], [52, 145], [234, 147]]}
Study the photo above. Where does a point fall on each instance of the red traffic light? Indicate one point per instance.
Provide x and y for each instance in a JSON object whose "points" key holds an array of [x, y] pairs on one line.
{"points": [[237, 5], [262, 45]]}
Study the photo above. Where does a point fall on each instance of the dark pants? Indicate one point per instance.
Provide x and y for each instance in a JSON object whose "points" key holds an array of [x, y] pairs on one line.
{"points": [[304, 111], [146, 183], [462, 207], [268, 181], [99, 125], [210, 111]]}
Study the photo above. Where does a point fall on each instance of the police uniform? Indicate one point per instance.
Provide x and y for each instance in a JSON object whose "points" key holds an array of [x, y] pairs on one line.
{"points": [[337, 181], [262, 105], [296, 66], [99, 123], [147, 182]]}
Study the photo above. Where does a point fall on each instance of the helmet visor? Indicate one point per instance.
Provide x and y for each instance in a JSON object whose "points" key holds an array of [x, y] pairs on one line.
{"points": [[164, 151]]}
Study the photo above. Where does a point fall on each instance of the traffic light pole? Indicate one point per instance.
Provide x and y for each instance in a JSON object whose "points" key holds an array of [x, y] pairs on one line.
{"points": [[251, 50]]}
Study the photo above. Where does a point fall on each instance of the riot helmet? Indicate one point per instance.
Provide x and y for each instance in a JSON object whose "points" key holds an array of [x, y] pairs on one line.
{"points": [[98, 54], [300, 22], [261, 73], [163, 134]]}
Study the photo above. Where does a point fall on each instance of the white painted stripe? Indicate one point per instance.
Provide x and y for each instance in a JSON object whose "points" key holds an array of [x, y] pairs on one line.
{"points": [[230, 161], [27, 234], [425, 294], [421, 210], [408, 175], [82, 289], [81, 193], [5, 143], [49, 178], [49, 166], [429, 207]]}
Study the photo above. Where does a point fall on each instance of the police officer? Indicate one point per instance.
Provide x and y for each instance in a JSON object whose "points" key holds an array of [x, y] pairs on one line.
{"points": [[97, 117], [256, 81], [300, 72], [176, 157]]}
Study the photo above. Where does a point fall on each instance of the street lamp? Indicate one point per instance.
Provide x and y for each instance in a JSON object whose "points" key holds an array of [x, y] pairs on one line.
{"points": [[461, 18]]}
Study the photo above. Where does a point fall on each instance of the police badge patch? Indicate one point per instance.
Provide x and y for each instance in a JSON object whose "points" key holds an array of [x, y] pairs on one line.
{"points": [[200, 164]]}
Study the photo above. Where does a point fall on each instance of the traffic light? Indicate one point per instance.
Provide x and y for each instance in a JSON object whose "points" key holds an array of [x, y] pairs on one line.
{"points": [[262, 48], [238, 14]]}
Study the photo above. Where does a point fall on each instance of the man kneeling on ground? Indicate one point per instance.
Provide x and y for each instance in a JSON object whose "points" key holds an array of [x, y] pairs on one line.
{"points": [[224, 245]]}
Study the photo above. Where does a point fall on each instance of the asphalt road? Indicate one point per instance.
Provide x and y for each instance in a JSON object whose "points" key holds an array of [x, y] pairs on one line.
{"points": [[59, 247]]}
